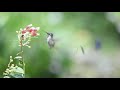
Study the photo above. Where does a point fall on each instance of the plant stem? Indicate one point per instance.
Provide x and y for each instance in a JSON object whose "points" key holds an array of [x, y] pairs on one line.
{"points": [[22, 55]]}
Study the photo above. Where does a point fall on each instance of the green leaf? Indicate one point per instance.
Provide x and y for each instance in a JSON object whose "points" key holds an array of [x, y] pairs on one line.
{"points": [[6, 77], [17, 72]]}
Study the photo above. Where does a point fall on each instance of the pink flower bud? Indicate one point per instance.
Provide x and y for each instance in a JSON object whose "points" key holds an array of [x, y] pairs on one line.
{"points": [[33, 28], [30, 30], [33, 33], [29, 26], [24, 31]]}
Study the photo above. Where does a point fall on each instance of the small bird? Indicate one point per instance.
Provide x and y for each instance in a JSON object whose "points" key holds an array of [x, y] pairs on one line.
{"points": [[50, 40]]}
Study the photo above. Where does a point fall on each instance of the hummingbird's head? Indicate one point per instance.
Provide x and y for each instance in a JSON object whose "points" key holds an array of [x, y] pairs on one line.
{"points": [[51, 34]]}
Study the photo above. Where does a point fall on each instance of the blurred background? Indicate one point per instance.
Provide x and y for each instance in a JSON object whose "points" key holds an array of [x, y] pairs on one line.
{"points": [[97, 32]]}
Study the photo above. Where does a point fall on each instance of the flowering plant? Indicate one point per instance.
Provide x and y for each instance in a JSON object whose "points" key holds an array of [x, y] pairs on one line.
{"points": [[24, 38]]}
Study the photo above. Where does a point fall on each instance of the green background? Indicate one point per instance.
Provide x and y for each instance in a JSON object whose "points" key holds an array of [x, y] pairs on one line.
{"points": [[71, 29]]}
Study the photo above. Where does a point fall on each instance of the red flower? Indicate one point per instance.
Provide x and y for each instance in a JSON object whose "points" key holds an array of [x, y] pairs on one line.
{"points": [[24, 31], [34, 33], [28, 27], [31, 30]]}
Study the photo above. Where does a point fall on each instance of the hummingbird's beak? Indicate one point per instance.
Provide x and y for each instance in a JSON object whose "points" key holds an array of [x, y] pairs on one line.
{"points": [[47, 33]]}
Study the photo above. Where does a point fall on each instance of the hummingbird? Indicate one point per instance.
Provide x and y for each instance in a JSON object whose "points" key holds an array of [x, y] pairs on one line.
{"points": [[50, 40]]}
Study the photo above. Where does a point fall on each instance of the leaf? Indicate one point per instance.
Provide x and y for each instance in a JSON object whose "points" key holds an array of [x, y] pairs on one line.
{"points": [[17, 72], [6, 77], [17, 75]]}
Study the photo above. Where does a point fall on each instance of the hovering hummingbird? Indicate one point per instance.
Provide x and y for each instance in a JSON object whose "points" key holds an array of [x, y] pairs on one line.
{"points": [[50, 40]]}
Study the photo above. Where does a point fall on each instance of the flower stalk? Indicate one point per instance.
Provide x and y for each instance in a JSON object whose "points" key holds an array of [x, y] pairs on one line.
{"points": [[21, 43]]}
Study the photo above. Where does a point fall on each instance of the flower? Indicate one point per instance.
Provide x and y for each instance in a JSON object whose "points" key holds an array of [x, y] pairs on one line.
{"points": [[31, 30], [27, 32]]}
